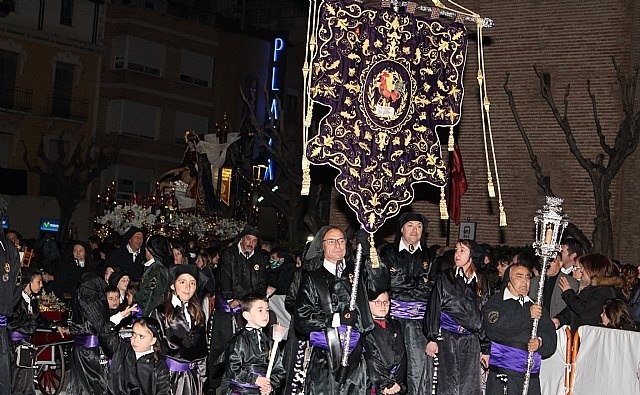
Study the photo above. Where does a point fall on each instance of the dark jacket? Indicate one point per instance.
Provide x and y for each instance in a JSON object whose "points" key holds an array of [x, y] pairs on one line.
{"points": [[241, 276], [122, 258], [584, 308], [129, 375], [246, 357], [152, 288], [386, 356]]}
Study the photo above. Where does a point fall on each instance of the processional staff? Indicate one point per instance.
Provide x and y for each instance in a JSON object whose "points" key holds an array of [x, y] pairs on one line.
{"points": [[550, 222]]}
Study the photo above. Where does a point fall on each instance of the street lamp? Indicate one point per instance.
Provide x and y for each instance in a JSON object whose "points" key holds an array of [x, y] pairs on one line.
{"points": [[550, 222]]}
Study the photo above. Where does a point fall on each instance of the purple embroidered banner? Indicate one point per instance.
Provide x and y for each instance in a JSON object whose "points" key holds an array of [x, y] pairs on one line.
{"points": [[389, 79]]}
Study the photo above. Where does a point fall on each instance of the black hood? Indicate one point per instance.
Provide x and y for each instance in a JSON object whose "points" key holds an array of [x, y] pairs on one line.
{"points": [[406, 217]]}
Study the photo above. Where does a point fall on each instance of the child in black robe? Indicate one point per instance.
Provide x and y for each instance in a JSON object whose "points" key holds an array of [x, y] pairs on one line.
{"points": [[386, 355], [248, 354], [137, 366]]}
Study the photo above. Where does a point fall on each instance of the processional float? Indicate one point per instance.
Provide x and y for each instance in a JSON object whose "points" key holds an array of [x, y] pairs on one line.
{"points": [[389, 77]]}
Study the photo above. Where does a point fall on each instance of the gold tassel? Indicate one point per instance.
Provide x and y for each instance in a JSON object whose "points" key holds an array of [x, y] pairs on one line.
{"points": [[444, 213], [492, 191], [451, 141], [503, 216], [373, 254], [306, 177]]}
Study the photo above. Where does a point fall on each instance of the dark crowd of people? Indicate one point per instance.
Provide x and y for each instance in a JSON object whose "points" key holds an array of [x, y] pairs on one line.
{"points": [[152, 315]]}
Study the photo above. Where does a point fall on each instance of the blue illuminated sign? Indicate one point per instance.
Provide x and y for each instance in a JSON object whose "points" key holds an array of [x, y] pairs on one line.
{"points": [[5, 222], [50, 225]]}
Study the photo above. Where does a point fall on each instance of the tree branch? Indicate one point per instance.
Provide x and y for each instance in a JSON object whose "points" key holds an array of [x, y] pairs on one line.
{"points": [[541, 179], [596, 118], [563, 122]]}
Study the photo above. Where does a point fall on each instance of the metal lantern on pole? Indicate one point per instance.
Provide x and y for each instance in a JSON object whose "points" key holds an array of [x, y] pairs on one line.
{"points": [[550, 222]]}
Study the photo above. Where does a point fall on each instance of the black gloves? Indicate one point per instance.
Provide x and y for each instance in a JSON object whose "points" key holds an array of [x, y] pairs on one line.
{"points": [[349, 318]]}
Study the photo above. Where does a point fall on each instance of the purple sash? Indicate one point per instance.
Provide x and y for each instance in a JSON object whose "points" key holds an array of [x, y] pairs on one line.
{"points": [[3, 320], [177, 366], [246, 385], [408, 310], [319, 338], [18, 337], [512, 358], [450, 324], [88, 341], [222, 304], [136, 313]]}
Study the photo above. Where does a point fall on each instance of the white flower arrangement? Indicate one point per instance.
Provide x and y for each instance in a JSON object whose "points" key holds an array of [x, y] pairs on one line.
{"points": [[121, 218]]}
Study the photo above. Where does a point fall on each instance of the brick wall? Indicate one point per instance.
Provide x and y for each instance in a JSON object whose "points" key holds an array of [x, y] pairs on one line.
{"points": [[573, 41]]}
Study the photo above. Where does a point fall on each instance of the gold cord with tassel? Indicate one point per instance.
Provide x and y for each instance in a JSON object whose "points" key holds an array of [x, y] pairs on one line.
{"points": [[306, 176], [503, 215], [373, 254], [451, 140], [444, 213]]}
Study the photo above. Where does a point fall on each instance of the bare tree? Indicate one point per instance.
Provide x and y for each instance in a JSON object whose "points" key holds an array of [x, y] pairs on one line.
{"points": [[272, 137], [70, 174], [603, 169]]}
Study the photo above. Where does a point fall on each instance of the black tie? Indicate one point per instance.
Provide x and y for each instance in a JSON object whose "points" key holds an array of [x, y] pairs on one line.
{"points": [[411, 248], [521, 299]]}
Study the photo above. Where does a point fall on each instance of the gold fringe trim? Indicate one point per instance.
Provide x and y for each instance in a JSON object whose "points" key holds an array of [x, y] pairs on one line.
{"points": [[306, 177], [373, 254], [451, 141], [444, 213]]}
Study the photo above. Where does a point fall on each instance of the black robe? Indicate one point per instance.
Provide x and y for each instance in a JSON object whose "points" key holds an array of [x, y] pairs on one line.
{"points": [[410, 278], [386, 356], [25, 323], [509, 323], [9, 297], [309, 316], [239, 276], [128, 374], [123, 258], [458, 354], [184, 344], [248, 357], [88, 365]]}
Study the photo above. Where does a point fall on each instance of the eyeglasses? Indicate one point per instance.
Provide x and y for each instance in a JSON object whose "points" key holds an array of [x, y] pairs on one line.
{"points": [[577, 267], [380, 303], [340, 241]]}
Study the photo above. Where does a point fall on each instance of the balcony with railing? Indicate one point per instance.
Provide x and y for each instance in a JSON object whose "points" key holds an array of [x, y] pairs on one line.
{"points": [[15, 99], [72, 108]]}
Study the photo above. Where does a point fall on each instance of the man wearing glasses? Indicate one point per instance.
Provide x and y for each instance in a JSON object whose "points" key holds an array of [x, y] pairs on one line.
{"points": [[552, 294], [410, 281], [322, 314]]}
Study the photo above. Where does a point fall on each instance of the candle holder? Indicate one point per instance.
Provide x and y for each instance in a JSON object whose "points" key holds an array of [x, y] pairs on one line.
{"points": [[550, 222]]}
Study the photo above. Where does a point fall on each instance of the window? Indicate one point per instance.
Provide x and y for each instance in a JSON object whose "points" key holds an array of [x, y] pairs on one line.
{"points": [[8, 65], [133, 119], [63, 84], [137, 54], [186, 121], [196, 68], [66, 12], [130, 180]]}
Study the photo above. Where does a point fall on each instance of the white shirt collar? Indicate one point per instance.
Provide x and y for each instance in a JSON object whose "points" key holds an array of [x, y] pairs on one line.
{"points": [[176, 302], [242, 253], [26, 297], [79, 263], [460, 273], [149, 262], [131, 251], [331, 267], [403, 246], [508, 295], [142, 354], [566, 270]]}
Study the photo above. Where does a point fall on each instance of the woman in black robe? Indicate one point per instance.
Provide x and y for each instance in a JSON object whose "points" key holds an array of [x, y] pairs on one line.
{"points": [[183, 328], [454, 327]]}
